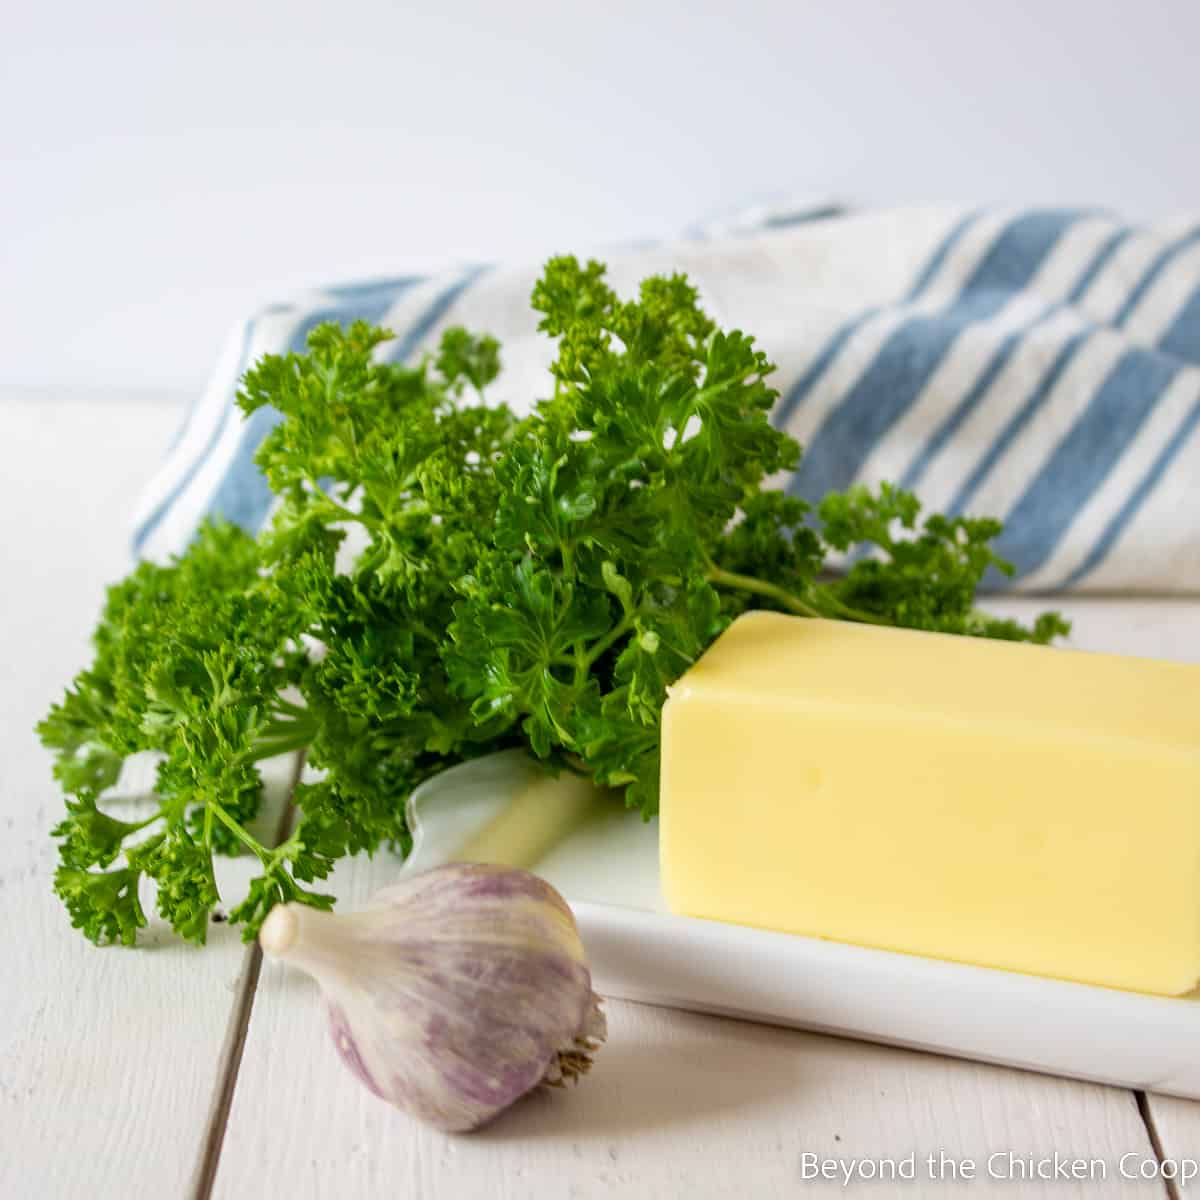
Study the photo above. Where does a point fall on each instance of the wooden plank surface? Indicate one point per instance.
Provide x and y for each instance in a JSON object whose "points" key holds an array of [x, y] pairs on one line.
{"points": [[1176, 1127], [109, 1059]]}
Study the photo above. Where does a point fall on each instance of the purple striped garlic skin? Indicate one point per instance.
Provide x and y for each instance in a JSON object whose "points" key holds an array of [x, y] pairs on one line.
{"points": [[454, 992]]}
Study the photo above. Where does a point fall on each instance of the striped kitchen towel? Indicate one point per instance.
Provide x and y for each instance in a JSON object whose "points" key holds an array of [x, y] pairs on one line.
{"points": [[1040, 366]]}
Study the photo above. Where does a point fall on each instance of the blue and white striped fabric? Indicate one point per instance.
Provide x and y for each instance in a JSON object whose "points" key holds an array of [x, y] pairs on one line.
{"points": [[1040, 366]]}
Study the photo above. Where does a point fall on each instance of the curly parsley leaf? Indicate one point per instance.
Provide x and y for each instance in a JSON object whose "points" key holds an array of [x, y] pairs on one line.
{"points": [[102, 905]]}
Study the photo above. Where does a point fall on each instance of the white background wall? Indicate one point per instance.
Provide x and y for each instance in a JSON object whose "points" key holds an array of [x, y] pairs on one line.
{"points": [[164, 167]]}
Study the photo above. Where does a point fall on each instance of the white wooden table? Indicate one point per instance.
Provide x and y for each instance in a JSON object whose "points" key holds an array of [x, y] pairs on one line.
{"points": [[170, 1071]]}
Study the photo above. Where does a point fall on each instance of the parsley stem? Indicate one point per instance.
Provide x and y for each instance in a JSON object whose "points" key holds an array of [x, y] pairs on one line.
{"points": [[846, 613], [618, 631], [826, 603], [251, 843], [760, 587], [272, 747], [283, 736], [132, 827], [424, 631], [347, 514]]}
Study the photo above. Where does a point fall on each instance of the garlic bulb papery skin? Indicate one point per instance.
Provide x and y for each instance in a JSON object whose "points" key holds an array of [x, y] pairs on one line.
{"points": [[454, 992]]}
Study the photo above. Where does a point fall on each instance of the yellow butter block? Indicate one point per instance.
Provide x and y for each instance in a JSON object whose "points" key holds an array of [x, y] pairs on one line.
{"points": [[1006, 805]]}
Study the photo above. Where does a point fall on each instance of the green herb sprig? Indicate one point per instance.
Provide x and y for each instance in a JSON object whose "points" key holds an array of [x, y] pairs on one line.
{"points": [[442, 579]]}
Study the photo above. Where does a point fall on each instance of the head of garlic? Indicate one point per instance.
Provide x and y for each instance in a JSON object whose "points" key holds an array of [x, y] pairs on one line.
{"points": [[454, 992]]}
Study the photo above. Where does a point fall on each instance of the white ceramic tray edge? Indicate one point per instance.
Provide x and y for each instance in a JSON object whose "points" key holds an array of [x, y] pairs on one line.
{"points": [[1052, 1026]]}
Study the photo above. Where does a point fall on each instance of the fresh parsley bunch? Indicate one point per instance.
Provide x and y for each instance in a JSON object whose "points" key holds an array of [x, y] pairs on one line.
{"points": [[533, 582]]}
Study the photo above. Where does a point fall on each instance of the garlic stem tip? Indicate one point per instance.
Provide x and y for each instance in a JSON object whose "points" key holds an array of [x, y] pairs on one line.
{"points": [[279, 930]]}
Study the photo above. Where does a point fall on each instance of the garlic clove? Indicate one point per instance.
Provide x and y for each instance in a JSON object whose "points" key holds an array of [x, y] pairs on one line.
{"points": [[454, 992]]}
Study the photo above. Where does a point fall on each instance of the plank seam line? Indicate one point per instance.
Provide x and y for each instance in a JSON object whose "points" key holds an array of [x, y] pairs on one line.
{"points": [[205, 1175], [1147, 1115]]}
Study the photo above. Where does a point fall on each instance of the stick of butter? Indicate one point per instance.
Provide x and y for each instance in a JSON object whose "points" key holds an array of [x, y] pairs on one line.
{"points": [[1006, 805]]}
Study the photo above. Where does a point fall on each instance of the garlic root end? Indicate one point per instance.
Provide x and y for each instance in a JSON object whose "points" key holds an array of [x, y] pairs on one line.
{"points": [[575, 1059]]}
